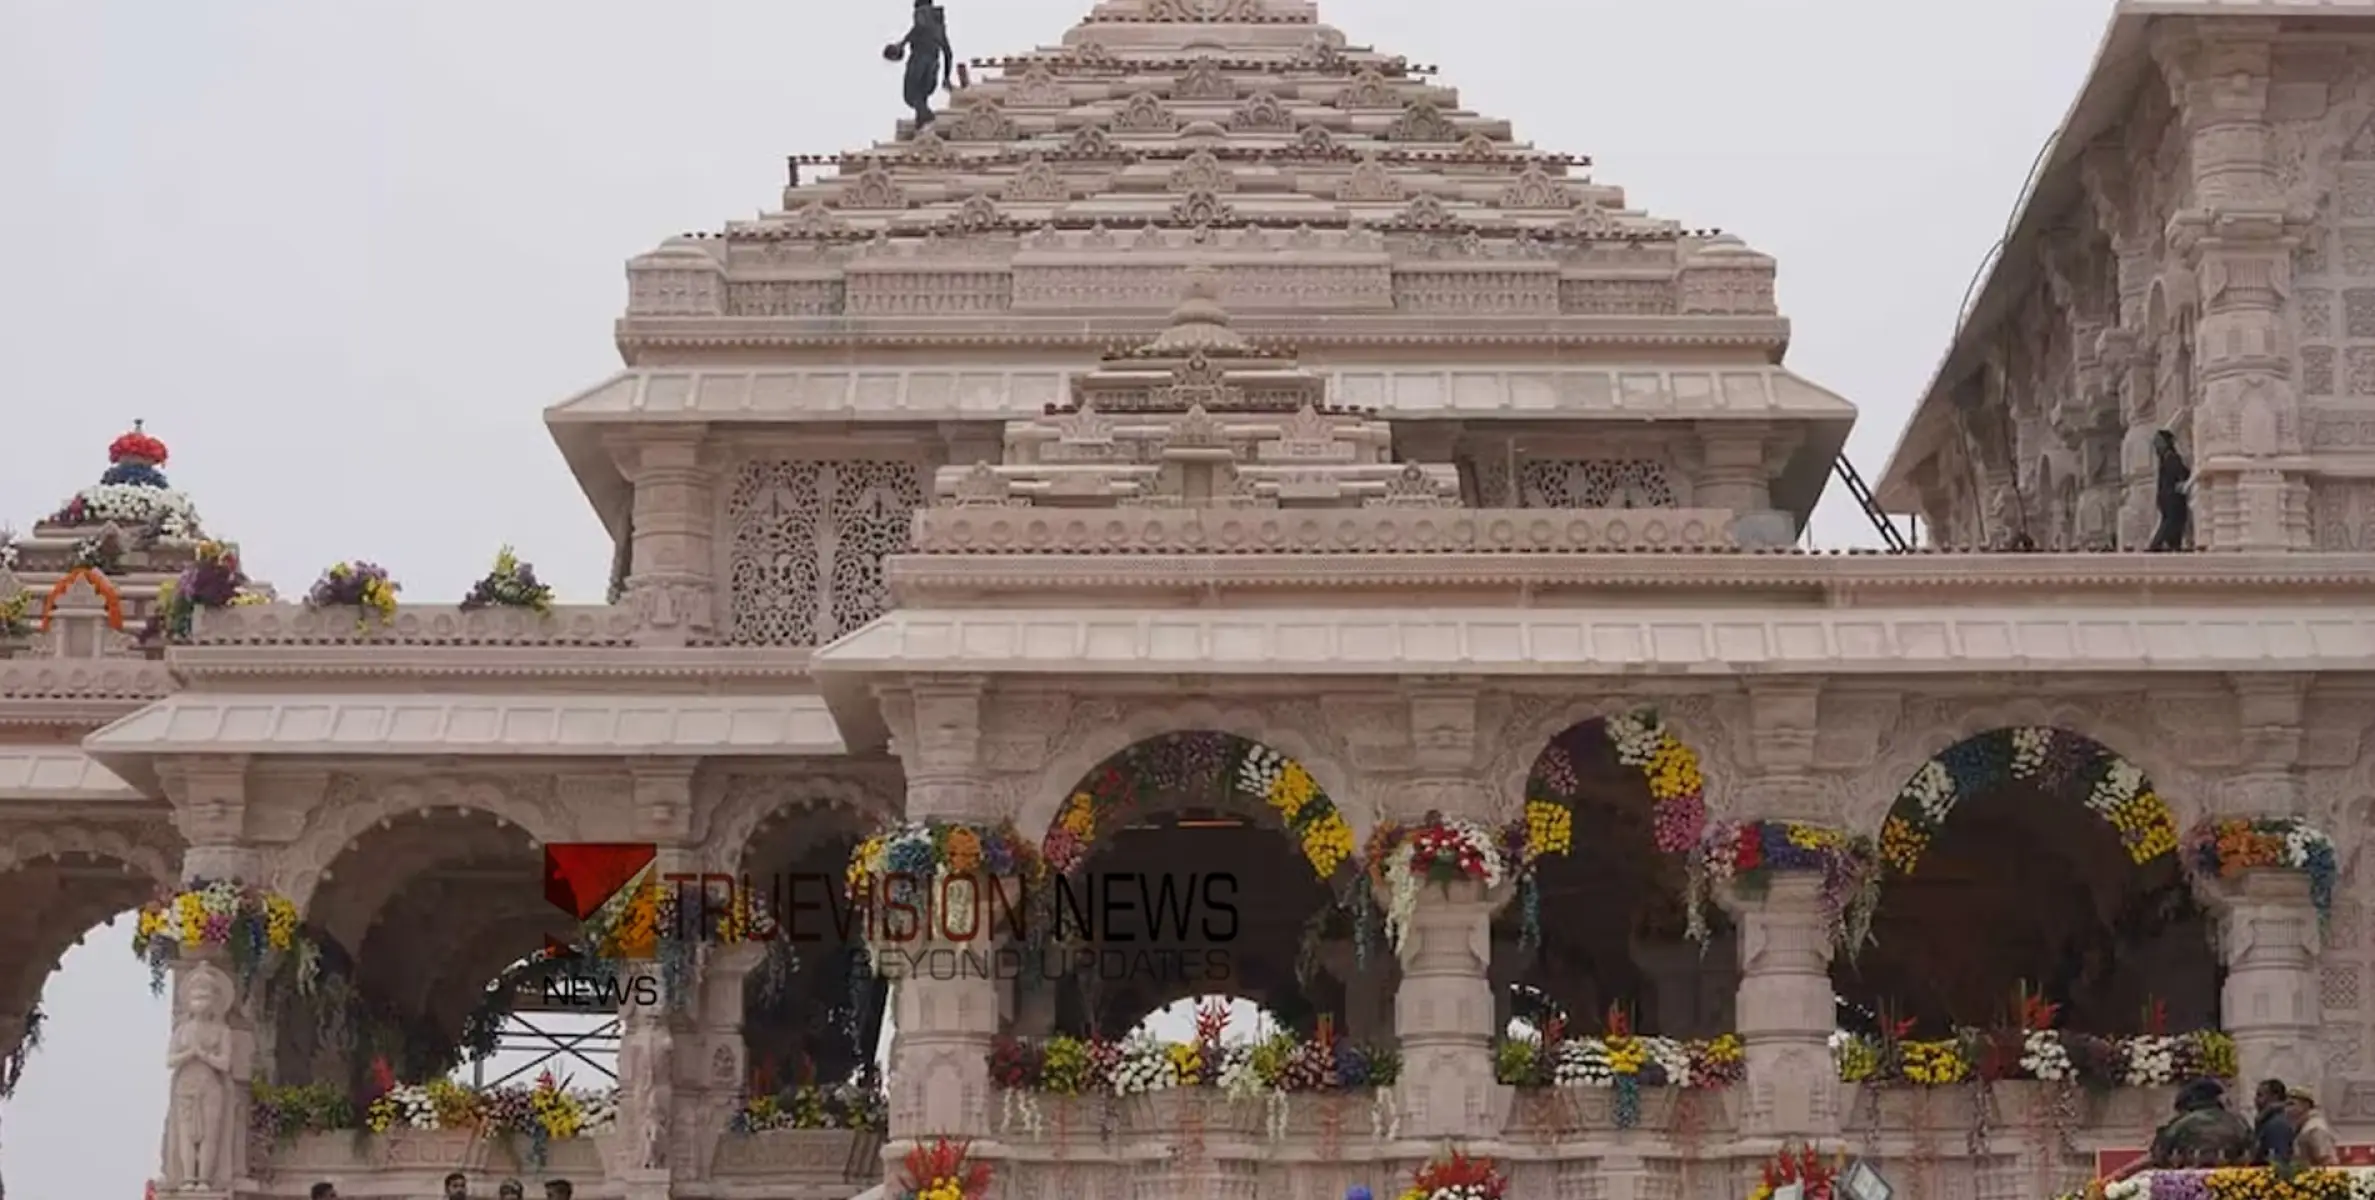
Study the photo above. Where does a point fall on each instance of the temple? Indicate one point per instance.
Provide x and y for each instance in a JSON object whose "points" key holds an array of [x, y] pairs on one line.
{"points": [[1208, 456]]}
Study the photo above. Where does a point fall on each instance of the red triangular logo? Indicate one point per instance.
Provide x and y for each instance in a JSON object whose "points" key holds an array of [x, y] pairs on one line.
{"points": [[579, 877]]}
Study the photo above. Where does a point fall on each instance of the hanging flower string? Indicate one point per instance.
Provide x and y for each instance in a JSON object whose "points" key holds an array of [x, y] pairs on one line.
{"points": [[2225, 848], [1747, 855], [2053, 759], [109, 597], [510, 583], [12, 1064], [1441, 851], [1677, 791], [253, 925], [358, 585]]}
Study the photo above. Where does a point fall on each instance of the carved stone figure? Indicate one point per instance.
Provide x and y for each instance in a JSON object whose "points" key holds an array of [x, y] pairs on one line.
{"points": [[198, 1060], [928, 56]]}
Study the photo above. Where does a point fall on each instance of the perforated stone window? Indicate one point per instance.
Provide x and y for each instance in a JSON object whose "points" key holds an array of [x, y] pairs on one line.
{"points": [[1596, 483], [808, 541]]}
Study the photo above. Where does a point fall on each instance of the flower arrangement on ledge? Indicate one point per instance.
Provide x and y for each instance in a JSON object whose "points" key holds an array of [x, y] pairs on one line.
{"points": [[510, 583], [133, 493], [855, 1104], [905, 863], [212, 580], [1620, 1060], [1748, 854], [942, 1170], [2115, 790], [358, 585], [2223, 849], [1267, 1072], [16, 614], [646, 921], [2235, 1183], [1816, 1177], [1456, 1176], [545, 1112], [1439, 850], [252, 924], [2033, 1049]]}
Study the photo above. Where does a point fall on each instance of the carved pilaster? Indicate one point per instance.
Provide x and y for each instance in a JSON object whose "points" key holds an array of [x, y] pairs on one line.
{"points": [[1445, 775], [2272, 710], [664, 800], [1443, 1015], [2268, 935], [936, 730], [1784, 716], [1786, 1009], [209, 795], [674, 530], [945, 1003]]}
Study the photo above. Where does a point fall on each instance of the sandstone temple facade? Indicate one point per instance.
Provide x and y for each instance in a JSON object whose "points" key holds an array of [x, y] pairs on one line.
{"points": [[1208, 447]]}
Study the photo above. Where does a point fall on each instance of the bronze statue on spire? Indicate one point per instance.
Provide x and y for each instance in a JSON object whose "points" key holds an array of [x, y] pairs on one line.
{"points": [[928, 54]]}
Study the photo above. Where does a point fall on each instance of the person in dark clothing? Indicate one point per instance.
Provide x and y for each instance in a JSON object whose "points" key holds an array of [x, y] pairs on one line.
{"points": [[929, 59], [2272, 1134], [2202, 1134], [325, 1190], [2170, 494]]}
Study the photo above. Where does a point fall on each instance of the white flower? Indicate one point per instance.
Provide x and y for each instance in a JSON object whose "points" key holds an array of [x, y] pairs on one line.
{"points": [[129, 504], [2118, 786], [1931, 792], [2030, 744], [1259, 770], [1581, 1062], [1671, 1055], [2044, 1057], [1238, 1078], [1636, 737], [2150, 1061], [1146, 1066]]}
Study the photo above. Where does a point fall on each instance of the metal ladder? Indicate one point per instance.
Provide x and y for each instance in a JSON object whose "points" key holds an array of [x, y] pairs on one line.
{"points": [[1863, 497]]}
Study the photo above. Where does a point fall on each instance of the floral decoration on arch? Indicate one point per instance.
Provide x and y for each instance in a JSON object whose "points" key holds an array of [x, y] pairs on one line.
{"points": [[2055, 760], [1182, 763], [258, 929], [2228, 847], [1640, 739]]}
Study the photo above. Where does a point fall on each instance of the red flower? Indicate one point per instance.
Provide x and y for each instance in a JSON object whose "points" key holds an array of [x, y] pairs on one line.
{"points": [[1748, 849], [136, 445]]}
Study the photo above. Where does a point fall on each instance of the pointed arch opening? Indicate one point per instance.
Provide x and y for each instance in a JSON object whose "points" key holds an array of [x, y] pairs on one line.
{"points": [[2062, 851], [1189, 863], [1615, 804]]}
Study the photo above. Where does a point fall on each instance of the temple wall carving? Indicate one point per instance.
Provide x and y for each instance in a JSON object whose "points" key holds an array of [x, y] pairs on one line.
{"points": [[806, 541]]}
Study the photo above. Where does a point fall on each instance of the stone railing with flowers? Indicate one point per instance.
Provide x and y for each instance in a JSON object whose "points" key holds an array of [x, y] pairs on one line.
{"points": [[2025, 1075], [258, 931], [363, 587], [510, 583], [896, 875], [547, 1126], [1747, 855], [1269, 1089], [1615, 1080], [277, 624], [2235, 1183], [2228, 848]]}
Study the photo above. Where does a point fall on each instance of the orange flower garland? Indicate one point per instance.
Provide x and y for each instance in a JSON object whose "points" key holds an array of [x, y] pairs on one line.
{"points": [[107, 593]]}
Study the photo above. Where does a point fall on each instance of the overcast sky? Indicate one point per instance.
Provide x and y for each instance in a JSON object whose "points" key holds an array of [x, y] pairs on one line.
{"points": [[341, 255]]}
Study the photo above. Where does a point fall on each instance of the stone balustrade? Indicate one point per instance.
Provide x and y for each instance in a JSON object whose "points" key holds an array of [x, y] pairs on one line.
{"points": [[416, 625], [1024, 530]]}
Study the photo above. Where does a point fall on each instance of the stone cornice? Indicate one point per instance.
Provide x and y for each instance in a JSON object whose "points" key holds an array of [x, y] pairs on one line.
{"points": [[1009, 331]]}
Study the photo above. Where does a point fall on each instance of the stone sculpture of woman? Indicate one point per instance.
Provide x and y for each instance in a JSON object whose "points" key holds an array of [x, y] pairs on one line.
{"points": [[198, 1061]]}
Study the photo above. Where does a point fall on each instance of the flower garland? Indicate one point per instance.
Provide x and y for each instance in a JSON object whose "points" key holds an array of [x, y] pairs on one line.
{"points": [[2239, 1183], [1677, 790], [1748, 854], [510, 583], [1145, 774], [2047, 1055], [646, 921], [1797, 1164], [1266, 1073], [2225, 848], [850, 1105], [942, 1170], [108, 595], [2054, 759], [360, 585], [1321, 831], [1441, 850], [12, 1064], [252, 924], [1456, 1176], [546, 1112]]}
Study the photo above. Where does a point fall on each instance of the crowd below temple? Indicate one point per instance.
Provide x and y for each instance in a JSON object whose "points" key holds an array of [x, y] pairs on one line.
{"points": [[2286, 1129]]}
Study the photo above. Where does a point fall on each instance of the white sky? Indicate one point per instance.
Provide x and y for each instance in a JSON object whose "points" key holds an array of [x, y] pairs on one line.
{"points": [[340, 255]]}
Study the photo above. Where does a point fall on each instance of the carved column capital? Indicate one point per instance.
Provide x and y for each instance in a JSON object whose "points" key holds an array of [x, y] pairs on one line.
{"points": [[209, 797], [1786, 1007], [663, 795]]}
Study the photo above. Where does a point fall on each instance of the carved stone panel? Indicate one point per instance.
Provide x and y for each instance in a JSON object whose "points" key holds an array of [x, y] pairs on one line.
{"points": [[806, 545]]}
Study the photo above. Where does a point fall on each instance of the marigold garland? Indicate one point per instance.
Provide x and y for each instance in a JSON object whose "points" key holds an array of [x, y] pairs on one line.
{"points": [[2116, 790], [108, 595]]}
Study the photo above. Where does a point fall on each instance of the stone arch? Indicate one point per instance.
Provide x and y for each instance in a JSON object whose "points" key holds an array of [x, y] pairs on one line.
{"points": [[1038, 809], [1690, 719], [52, 910], [159, 864], [352, 806], [2056, 758], [1108, 792], [1927, 728], [1545, 738], [749, 804]]}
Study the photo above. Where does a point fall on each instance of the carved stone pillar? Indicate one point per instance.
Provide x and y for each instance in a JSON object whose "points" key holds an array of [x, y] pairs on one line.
{"points": [[1786, 1009], [650, 1151], [1783, 718], [708, 1064], [672, 585], [1736, 474], [2268, 934], [1443, 1014], [209, 797], [1444, 776], [2251, 493], [209, 1065]]}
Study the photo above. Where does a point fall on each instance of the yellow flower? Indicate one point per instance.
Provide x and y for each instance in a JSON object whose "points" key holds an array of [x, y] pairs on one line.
{"points": [[1327, 843], [866, 861], [1550, 828], [1673, 770], [1293, 789], [1080, 816], [1627, 1055], [2145, 826], [1934, 1062], [1901, 844]]}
